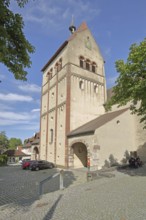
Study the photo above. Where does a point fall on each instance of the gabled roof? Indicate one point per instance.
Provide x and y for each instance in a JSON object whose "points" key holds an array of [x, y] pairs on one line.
{"points": [[82, 27], [33, 140], [15, 153], [91, 126]]}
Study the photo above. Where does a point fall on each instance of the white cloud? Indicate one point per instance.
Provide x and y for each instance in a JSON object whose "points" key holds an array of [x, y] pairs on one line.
{"points": [[53, 14], [30, 88], [5, 122], [15, 97], [8, 118], [17, 116], [35, 110]]}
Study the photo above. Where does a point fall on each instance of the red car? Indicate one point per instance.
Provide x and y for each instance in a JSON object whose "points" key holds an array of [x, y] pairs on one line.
{"points": [[26, 164]]}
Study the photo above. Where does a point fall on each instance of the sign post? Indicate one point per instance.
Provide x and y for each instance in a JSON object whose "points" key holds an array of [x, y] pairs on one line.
{"points": [[89, 175]]}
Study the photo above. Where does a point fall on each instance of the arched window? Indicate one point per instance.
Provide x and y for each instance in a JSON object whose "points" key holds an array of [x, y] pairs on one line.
{"points": [[56, 68], [81, 61], [88, 64], [94, 67], [49, 74], [81, 85], [59, 65]]}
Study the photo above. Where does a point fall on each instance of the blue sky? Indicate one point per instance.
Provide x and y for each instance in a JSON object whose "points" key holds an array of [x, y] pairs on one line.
{"points": [[115, 25]]}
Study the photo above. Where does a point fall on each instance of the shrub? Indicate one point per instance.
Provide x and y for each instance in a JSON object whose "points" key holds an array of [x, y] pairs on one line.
{"points": [[3, 160], [112, 161]]}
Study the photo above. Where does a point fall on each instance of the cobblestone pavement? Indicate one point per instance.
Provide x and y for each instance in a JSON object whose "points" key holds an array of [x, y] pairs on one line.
{"points": [[115, 195], [20, 188]]}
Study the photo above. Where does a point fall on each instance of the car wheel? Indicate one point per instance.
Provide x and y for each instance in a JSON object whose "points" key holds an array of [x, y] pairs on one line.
{"points": [[51, 166], [37, 168]]}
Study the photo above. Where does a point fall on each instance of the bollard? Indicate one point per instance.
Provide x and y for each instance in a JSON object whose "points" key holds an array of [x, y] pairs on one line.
{"points": [[61, 179], [89, 176]]}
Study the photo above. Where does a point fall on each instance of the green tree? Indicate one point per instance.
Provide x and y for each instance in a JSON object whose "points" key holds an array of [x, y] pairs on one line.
{"points": [[14, 142], [3, 160], [4, 142], [131, 83], [14, 47]]}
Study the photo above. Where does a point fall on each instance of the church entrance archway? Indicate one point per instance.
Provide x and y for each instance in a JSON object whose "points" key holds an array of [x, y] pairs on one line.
{"points": [[36, 153], [79, 155]]}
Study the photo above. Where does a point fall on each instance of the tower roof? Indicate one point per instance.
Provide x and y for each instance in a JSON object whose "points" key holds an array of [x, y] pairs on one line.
{"points": [[82, 27]]}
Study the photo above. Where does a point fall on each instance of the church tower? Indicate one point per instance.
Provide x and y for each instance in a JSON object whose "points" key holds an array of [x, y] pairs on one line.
{"points": [[73, 93]]}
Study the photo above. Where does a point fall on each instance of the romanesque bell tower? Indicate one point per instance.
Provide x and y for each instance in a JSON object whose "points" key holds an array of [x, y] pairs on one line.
{"points": [[73, 92]]}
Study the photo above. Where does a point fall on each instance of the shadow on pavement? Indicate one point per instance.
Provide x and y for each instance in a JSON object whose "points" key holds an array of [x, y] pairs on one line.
{"points": [[50, 213], [54, 184], [20, 188], [141, 171]]}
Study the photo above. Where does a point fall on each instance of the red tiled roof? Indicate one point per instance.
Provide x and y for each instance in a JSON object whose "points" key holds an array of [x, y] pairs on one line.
{"points": [[15, 153], [27, 145]]}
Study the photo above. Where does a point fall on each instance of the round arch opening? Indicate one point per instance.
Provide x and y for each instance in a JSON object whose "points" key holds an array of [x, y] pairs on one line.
{"points": [[36, 153], [79, 155]]}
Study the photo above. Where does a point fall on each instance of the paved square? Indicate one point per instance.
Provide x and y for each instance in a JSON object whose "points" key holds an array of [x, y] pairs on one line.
{"points": [[115, 195]]}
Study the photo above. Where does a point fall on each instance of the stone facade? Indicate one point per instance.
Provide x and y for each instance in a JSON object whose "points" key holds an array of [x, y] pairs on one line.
{"points": [[31, 146], [73, 94]]}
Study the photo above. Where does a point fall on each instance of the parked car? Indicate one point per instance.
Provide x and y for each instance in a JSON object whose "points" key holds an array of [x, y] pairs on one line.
{"points": [[26, 164], [41, 164], [24, 160]]}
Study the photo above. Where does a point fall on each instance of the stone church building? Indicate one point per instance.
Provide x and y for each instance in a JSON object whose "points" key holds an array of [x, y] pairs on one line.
{"points": [[74, 128]]}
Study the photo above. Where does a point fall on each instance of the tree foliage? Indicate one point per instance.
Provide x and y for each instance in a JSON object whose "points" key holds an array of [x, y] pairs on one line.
{"points": [[4, 142], [131, 83], [14, 47], [3, 160], [14, 143]]}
